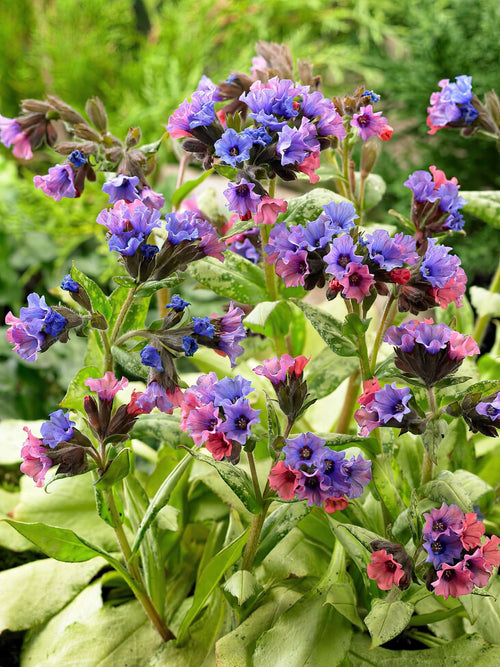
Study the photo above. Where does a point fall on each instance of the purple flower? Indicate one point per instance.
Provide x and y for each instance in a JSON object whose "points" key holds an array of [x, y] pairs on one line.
{"points": [[329, 122], [359, 474], [181, 227], [177, 303], [384, 250], [155, 396], [293, 267], [246, 249], [26, 338], [229, 332], [317, 233], [203, 421], [149, 251], [58, 429], [356, 282], [446, 519], [490, 409], [58, 183], [438, 266], [433, 337], [311, 487], [203, 327], [121, 187], [292, 146], [233, 148], [12, 134], [421, 184], [241, 198], [279, 243], [306, 449], [340, 255], [257, 135], [334, 474], [209, 244], [239, 418], [444, 549], [341, 215], [152, 199], [369, 123], [69, 284], [151, 357], [391, 403], [229, 390], [459, 92], [190, 345]]}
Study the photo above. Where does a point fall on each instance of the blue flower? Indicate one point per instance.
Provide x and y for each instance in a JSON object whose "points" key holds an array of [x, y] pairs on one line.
{"points": [[203, 327], [292, 146], [181, 227], [438, 266], [69, 284], [190, 345], [444, 549], [151, 357], [233, 148], [177, 303], [77, 158], [257, 135], [229, 390], [341, 215], [121, 187], [58, 429], [149, 251], [239, 418], [306, 449], [391, 403], [342, 253]]}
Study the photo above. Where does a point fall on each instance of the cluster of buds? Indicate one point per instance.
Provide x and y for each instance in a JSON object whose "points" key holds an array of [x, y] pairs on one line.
{"points": [[390, 406], [429, 351], [481, 414], [217, 414], [456, 106], [39, 326], [312, 471]]}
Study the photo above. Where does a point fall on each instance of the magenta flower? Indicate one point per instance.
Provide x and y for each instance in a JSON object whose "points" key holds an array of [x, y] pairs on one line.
{"points": [[107, 386], [446, 519], [472, 531], [218, 446], [454, 580], [36, 462], [356, 282], [202, 422], [479, 568], [11, 134], [275, 369], [383, 569], [462, 346], [268, 210], [284, 480], [292, 268], [369, 123], [58, 183]]}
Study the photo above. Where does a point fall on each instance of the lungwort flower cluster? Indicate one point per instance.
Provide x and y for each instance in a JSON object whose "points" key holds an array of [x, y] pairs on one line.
{"points": [[312, 471], [429, 351], [460, 559], [389, 406], [218, 415], [452, 106]]}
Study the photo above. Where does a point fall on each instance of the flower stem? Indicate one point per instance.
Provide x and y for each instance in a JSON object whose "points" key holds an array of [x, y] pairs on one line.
{"points": [[483, 321], [135, 573], [122, 314], [254, 535], [427, 469], [385, 321], [364, 362], [255, 479], [352, 392], [108, 357]]}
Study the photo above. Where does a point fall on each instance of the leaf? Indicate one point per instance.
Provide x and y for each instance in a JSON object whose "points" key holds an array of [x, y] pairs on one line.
{"points": [[12, 438], [226, 170], [387, 620], [209, 578], [309, 634], [375, 188], [121, 635], [117, 470], [100, 302], [485, 302], [447, 488], [480, 492], [484, 204], [159, 501], [342, 596], [162, 428], [181, 193], [327, 371], [484, 612], [236, 478], [278, 524], [242, 585], [328, 328], [236, 278], [77, 390], [309, 206], [483, 387], [151, 286], [356, 542], [270, 318], [125, 281], [385, 484], [63, 580]]}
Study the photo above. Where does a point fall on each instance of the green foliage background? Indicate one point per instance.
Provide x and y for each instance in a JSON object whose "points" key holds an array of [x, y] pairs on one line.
{"points": [[143, 57]]}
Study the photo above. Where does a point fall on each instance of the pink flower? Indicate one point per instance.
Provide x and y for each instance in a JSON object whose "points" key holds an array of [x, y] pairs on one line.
{"points": [[299, 365], [479, 568], [386, 133], [106, 387], [383, 569], [284, 480], [275, 369], [370, 388], [462, 346], [453, 580], [452, 291], [268, 210], [309, 165], [490, 552], [202, 422], [367, 420], [368, 123], [440, 177], [218, 446], [357, 281], [472, 531], [400, 276], [335, 504], [36, 462], [12, 134]]}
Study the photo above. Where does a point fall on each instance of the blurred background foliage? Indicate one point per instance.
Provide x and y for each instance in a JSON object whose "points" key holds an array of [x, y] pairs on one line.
{"points": [[143, 57]]}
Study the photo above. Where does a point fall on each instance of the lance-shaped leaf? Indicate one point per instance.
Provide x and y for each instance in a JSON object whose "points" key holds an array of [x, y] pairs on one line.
{"points": [[387, 619], [117, 470], [181, 193], [329, 328], [100, 302], [236, 278], [278, 524], [484, 204]]}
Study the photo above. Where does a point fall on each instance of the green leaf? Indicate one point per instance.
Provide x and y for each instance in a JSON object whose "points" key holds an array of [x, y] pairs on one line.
{"points": [[480, 493], [375, 188], [12, 438], [484, 301], [209, 578], [117, 470], [162, 428], [327, 371], [484, 612], [239, 227], [236, 278], [309, 206], [242, 585], [77, 390], [100, 302], [181, 193], [125, 281], [236, 478], [121, 635], [311, 633], [484, 204], [270, 318], [356, 542], [226, 170], [63, 580], [387, 620], [385, 484], [483, 387], [278, 524], [328, 328], [151, 286], [447, 488], [160, 499], [339, 588]]}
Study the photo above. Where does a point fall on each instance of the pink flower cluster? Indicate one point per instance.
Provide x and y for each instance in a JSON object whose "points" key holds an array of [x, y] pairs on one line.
{"points": [[277, 369]]}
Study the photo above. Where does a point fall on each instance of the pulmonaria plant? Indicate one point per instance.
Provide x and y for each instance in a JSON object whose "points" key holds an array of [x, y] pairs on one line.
{"points": [[312, 490]]}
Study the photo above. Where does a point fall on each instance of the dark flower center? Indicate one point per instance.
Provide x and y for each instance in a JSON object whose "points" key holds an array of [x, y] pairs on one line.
{"points": [[305, 453], [212, 424], [329, 465], [343, 260], [364, 120], [311, 482], [490, 410], [241, 422], [399, 407], [390, 565], [234, 150], [302, 268], [355, 279], [242, 190], [449, 574], [438, 526], [437, 547]]}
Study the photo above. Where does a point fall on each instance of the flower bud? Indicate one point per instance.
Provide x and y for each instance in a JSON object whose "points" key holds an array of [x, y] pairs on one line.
{"points": [[133, 137], [97, 113], [369, 155]]}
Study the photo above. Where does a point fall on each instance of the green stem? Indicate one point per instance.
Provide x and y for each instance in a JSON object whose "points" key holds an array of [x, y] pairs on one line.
{"points": [[148, 606], [427, 469], [254, 535], [426, 639], [122, 314], [435, 616], [255, 479], [143, 333], [108, 357], [366, 373], [351, 396], [385, 321], [483, 321], [346, 152]]}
